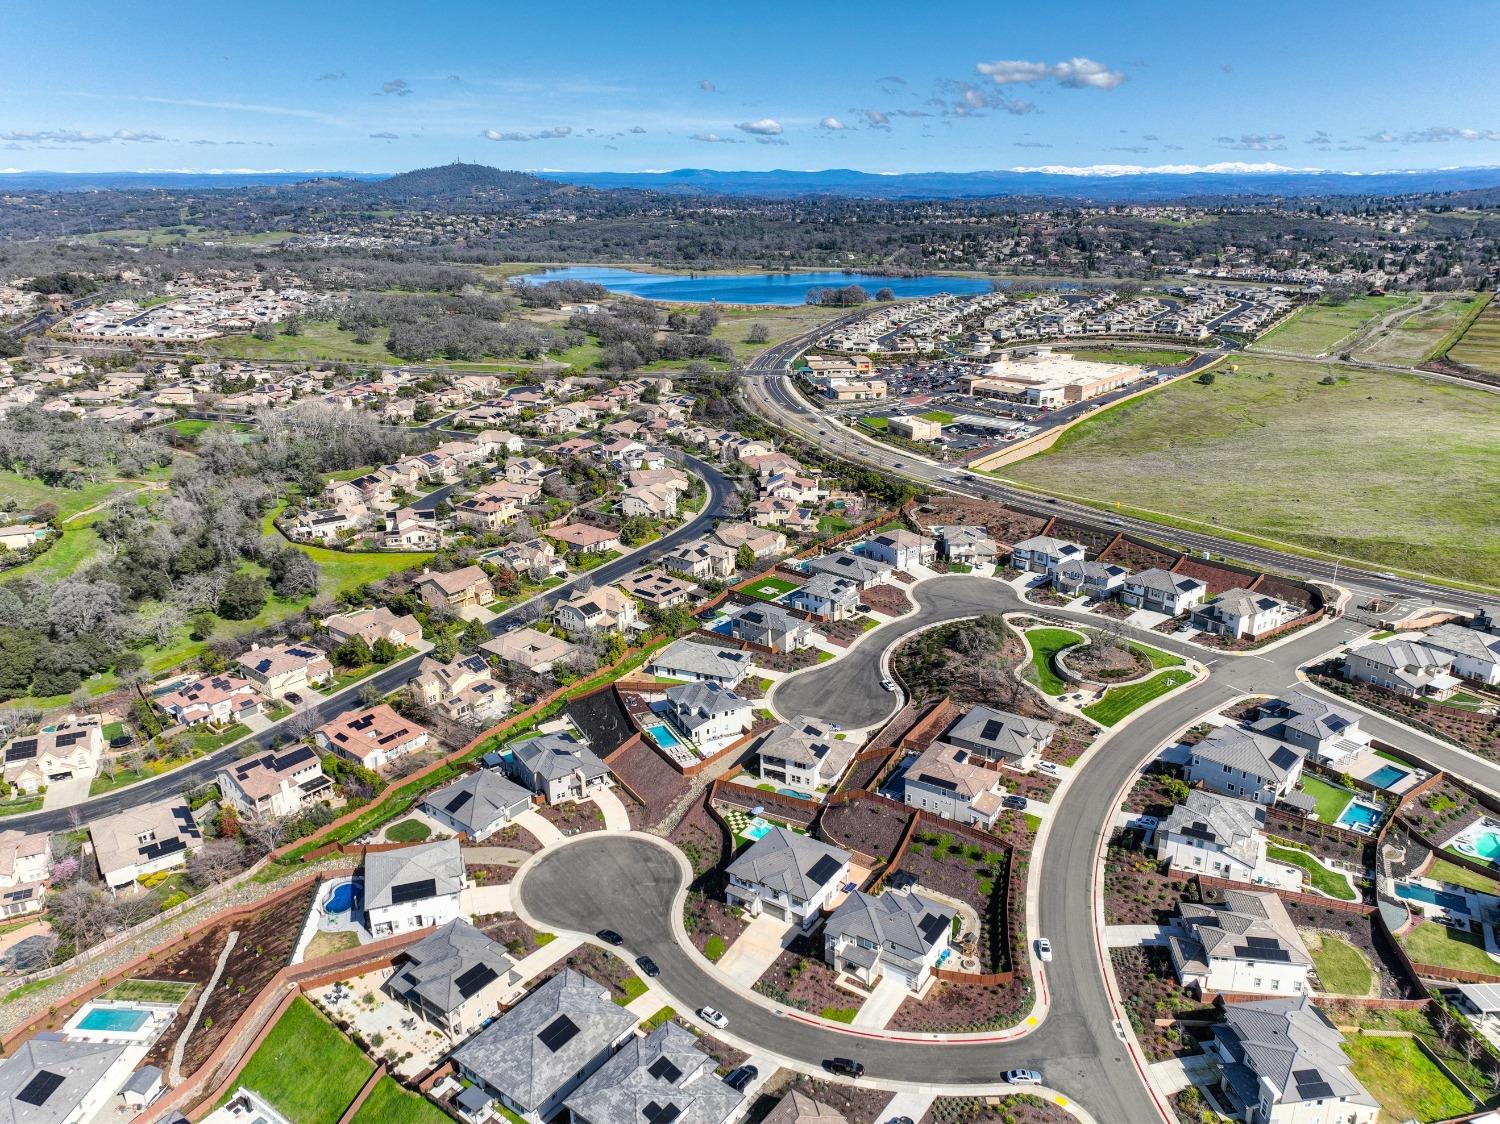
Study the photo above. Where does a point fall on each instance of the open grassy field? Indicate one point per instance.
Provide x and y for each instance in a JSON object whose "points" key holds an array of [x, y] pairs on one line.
{"points": [[1479, 347], [389, 1103], [1421, 334], [20, 493], [1406, 1082], [1389, 470], [780, 323], [1120, 702], [303, 1043], [1319, 328]]}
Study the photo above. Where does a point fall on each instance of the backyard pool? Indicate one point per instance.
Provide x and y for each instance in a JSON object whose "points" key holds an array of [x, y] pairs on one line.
{"points": [[114, 1020], [756, 830], [342, 898], [662, 735], [1386, 776], [1360, 817], [1480, 840], [1415, 891]]}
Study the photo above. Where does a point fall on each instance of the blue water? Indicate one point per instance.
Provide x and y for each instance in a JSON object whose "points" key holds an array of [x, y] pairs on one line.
{"points": [[1386, 776], [1433, 897], [1487, 844], [1357, 813], [342, 898], [794, 792], [120, 1020], [753, 288], [757, 829], [662, 735]]}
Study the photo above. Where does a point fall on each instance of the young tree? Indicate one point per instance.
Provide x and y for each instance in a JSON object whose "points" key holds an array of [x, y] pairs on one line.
{"points": [[758, 333], [744, 557], [384, 651]]}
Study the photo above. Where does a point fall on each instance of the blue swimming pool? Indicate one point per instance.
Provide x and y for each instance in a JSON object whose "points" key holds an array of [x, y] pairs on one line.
{"points": [[756, 829], [342, 898], [1386, 776], [1417, 892], [1357, 814], [116, 1020], [662, 735]]}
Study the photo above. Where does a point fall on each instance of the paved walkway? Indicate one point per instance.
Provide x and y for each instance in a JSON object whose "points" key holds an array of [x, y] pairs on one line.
{"points": [[910, 1103], [1176, 1074], [616, 818], [534, 822], [753, 952], [1131, 936], [881, 1007]]}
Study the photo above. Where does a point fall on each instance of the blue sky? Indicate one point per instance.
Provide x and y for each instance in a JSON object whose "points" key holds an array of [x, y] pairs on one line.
{"points": [[878, 86]]}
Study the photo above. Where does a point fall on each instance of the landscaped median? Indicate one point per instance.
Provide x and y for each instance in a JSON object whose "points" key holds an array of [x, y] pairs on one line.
{"points": [[1119, 703]]}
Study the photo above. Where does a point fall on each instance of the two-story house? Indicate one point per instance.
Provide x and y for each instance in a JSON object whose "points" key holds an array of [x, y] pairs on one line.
{"points": [[863, 572], [144, 840], [460, 591], [702, 559], [712, 716], [1329, 732], [905, 550], [605, 609], [695, 662], [25, 861], [1215, 835], [1403, 668], [412, 887], [1245, 943], [1241, 614], [451, 979], [1000, 736], [558, 769], [803, 754], [967, 543], [372, 625], [771, 626], [376, 738], [1094, 580], [790, 877], [1234, 761], [214, 700], [950, 781], [897, 935], [478, 803], [57, 752], [274, 783], [1161, 591], [1476, 654], [827, 595], [1043, 554], [282, 669], [463, 690], [667, 1069]]}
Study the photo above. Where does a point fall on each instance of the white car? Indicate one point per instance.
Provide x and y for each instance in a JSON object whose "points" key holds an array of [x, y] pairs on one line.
{"points": [[1047, 767], [713, 1018], [1044, 950], [887, 684]]}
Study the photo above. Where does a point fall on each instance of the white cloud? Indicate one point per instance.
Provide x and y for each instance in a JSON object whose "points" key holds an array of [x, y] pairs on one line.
{"points": [[1075, 73], [27, 137], [707, 87], [384, 136], [1254, 142], [1439, 133], [1231, 166], [396, 86], [877, 120], [831, 123], [556, 133], [765, 127], [712, 138]]}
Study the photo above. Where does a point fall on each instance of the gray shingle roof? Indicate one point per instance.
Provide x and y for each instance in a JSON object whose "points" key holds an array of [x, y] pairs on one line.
{"points": [[553, 756], [783, 860], [76, 1067], [479, 800], [1307, 714], [1460, 641], [807, 741], [1218, 819], [447, 967], [438, 863], [1252, 753], [1291, 1044], [900, 917], [661, 1077], [1163, 581], [693, 658], [999, 733], [697, 703], [1243, 926]]}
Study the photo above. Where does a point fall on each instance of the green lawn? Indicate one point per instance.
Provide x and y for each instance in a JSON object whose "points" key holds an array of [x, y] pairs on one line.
{"points": [[1479, 346], [1119, 702], [1323, 880], [1046, 643], [1442, 947], [1156, 656], [1342, 968], [389, 1103], [1217, 458], [1444, 871], [149, 991], [1420, 334], [22, 493], [343, 569], [301, 1045], [769, 589], [1331, 799], [635, 987], [1319, 328], [408, 831], [943, 417], [1141, 357], [714, 948], [875, 422], [832, 524], [1406, 1082], [780, 324]]}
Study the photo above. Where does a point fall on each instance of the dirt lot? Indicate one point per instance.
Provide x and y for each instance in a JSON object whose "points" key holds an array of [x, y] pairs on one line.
{"points": [[864, 826], [969, 661], [855, 1104], [887, 599], [658, 784]]}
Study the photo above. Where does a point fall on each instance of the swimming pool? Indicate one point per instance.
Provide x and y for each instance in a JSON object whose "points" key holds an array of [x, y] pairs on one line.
{"points": [[115, 1020], [1415, 891], [1357, 815], [342, 898], [1487, 845], [662, 735], [1386, 776], [756, 830]]}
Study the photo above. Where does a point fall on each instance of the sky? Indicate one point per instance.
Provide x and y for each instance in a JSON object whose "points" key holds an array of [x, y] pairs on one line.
{"points": [[878, 86]]}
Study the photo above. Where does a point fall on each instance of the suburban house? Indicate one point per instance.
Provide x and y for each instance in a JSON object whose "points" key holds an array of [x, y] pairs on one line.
{"points": [[376, 738], [371, 625], [584, 538], [827, 595], [1234, 761], [557, 768], [1403, 667], [902, 549], [898, 934], [1476, 654], [689, 660], [969, 544], [774, 512], [486, 511], [25, 862], [702, 559], [710, 715], [71, 748], [478, 804], [804, 754], [654, 501], [528, 648], [536, 558], [1043, 554], [274, 783], [762, 541], [215, 700], [284, 669], [605, 609], [52, 1080], [1161, 591], [1328, 732], [1239, 613], [949, 781], [798, 1108], [1244, 944], [1001, 737], [19, 536], [1216, 835], [451, 979], [772, 627], [535, 1054], [412, 887], [1283, 1062], [658, 589], [1094, 580], [144, 840], [789, 876], [863, 572], [463, 690], [660, 1078], [459, 591]]}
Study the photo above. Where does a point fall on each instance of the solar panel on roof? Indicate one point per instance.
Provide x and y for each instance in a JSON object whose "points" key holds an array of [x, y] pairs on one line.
{"points": [[475, 979], [413, 891], [663, 1070], [661, 1113], [1283, 758], [1311, 1085], [991, 731], [558, 1033], [824, 869], [932, 927], [458, 801], [39, 1088], [20, 750]]}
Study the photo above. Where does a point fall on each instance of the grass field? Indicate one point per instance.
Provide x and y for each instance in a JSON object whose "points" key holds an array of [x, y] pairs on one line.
{"points": [[303, 1043], [1342, 968], [1479, 347], [1120, 702], [389, 1103], [1421, 334], [943, 417], [1406, 1082], [1431, 943], [780, 323], [1385, 469], [149, 991], [1319, 328], [1323, 880], [1046, 643], [1331, 799], [769, 589], [21, 493], [1445, 871], [1141, 356]]}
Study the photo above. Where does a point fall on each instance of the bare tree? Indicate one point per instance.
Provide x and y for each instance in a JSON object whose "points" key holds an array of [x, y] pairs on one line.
{"points": [[262, 833], [215, 862], [85, 913]]}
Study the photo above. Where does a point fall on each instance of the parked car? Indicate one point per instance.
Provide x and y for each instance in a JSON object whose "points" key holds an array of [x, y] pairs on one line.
{"points": [[294, 698], [647, 965], [1014, 801], [845, 1067], [713, 1018], [741, 1076], [887, 684], [1047, 767], [1022, 1077], [609, 936], [1044, 950]]}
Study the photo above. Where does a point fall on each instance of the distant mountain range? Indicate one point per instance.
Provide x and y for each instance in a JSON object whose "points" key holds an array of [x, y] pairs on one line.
{"points": [[136, 181]]}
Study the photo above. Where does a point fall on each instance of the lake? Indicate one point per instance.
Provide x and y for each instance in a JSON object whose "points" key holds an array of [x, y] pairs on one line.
{"points": [[752, 288]]}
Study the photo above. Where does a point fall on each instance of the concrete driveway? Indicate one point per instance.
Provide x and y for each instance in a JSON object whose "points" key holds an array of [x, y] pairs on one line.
{"points": [[755, 949], [616, 818]]}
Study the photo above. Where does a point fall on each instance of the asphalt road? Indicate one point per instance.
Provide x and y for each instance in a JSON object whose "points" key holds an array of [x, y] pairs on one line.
{"points": [[388, 679]]}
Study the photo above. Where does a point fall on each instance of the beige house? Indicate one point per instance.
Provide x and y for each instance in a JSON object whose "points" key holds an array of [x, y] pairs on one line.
{"points": [[371, 625], [606, 608], [71, 748], [459, 591], [376, 738], [762, 541], [585, 538], [274, 784], [215, 700], [284, 668], [528, 648], [24, 863], [144, 840], [463, 690]]}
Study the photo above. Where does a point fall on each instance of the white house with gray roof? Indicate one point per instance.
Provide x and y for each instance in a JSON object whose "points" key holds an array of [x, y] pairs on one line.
{"points": [[1043, 554], [900, 548], [1000, 736], [662, 1078], [1476, 654], [1328, 732], [1283, 1062], [536, 1054], [557, 768], [1244, 944], [968, 543], [899, 935], [710, 715], [50, 1081], [803, 754], [789, 876], [453, 978], [1096, 580], [1403, 667], [1216, 835], [1234, 761], [827, 595], [863, 572], [701, 663], [772, 627], [1241, 613], [412, 887], [478, 804], [1161, 591]]}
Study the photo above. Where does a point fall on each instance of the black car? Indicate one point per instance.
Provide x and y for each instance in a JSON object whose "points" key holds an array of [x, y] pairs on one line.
{"points": [[845, 1067], [609, 936], [738, 1078], [647, 965], [294, 698]]}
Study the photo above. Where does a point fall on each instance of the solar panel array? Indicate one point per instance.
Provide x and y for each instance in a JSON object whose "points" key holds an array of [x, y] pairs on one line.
{"points": [[39, 1088], [476, 979], [824, 869], [558, 1033], [663, 1069], [661, 1113], [932, 927], [1310, 1084], [413, 891], [458, 801]]}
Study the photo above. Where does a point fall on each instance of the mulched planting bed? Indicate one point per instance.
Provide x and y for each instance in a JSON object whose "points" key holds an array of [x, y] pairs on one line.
{"points": [[967, 661], [886, 599], [722, 1052], [787, 661], [1360, 932], [1318, 838], [953, 1008], [1117, 610], [799, 978], [650, 777], [574, 817], [1153, 795], [1102, 664], [1033, 786], [711, 925], [702, 838], [264, 947], [600, 966], [842, 633], [1441, 812], [868, 771], [865, 826], [968, 872], [510, 932], [856, 1104], [1136, 892], [514, 835], [1150, 992], [1018, 1108], [1046, 595], [490, 874]]}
